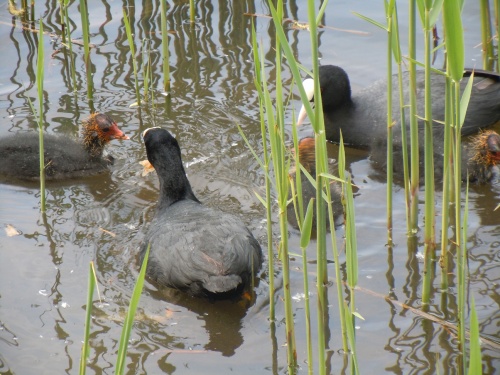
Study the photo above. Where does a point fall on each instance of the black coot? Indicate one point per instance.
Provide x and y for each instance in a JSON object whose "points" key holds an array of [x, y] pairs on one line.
{"points": [[64, 157], [362, 116], [194, 248], [307, 159]]}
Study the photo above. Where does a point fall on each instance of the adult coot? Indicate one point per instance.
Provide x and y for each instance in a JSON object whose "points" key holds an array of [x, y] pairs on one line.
{"points": [[307, 159], [480, 159], [64, 157], [194, 248], [362, 116]]}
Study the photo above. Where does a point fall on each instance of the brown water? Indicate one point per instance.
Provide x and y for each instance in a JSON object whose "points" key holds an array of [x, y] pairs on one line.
{"points": [[44, 269]]}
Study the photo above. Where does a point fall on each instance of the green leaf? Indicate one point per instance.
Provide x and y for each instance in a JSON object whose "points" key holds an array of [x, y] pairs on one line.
{"points": [[464, 101], [475, 362], [129, 320], [454, 38], [88, 318], [305, 235], [421, 11], [262, 200], [434, 13], [358, 315], [370, 20], [332, 177]]}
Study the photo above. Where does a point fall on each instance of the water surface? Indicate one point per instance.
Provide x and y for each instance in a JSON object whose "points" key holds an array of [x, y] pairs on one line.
{"points": [[44, 269]]}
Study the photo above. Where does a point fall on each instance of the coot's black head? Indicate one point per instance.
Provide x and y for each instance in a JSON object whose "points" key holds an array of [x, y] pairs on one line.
{"points": [[335, 86], [161, 147], [164, 154], [335, 90]]}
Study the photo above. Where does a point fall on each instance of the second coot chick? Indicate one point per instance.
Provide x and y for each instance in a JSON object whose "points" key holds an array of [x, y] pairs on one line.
{"points": [[307, 159], [64, 157], [480, 159], [194, 248]]}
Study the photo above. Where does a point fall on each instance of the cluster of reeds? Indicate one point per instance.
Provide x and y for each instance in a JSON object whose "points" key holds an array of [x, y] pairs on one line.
{"points": [[277, 153], [147, 74], [127, 323], [456, 105], [273, 129]]}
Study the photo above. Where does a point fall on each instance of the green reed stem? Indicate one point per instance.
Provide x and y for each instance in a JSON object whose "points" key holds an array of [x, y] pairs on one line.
{"points": [[414, 157], [350, 324], [282, 185], [430, 221], [348, 206], [146, 58], [396, 49], [322, 184], [275, 128], [321, 12], [486, 37], [192, 11], [389, 8], [88, 318], [165, 49], [86, 48], [259, 79], [461, 280], [351, 253], [304, 243], [130, 39], [452, 21], [447, 161], [129, 320], [296, 186], [39, 85], [460, 240]]}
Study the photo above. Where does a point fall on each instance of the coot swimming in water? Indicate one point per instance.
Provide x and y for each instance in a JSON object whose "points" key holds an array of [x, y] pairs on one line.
{"points": [[64, 157], [362, 117], [194, 248], [307, 159], [480, 159]]}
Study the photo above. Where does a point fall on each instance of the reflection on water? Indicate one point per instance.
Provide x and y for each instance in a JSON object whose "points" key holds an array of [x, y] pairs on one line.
{"points": [[43, 271]]}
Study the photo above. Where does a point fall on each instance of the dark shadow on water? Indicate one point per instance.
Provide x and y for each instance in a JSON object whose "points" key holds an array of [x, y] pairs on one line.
{"points": [[223, 318]]}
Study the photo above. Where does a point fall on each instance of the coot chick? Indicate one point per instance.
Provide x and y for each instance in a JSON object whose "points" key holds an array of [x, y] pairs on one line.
{"points": [[64, 157], [194, 248], [480, 159], [307, 159], [362, 116]]}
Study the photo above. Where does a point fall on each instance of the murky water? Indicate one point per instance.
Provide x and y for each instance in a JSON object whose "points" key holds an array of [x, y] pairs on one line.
{"points": [[44, 269]]}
